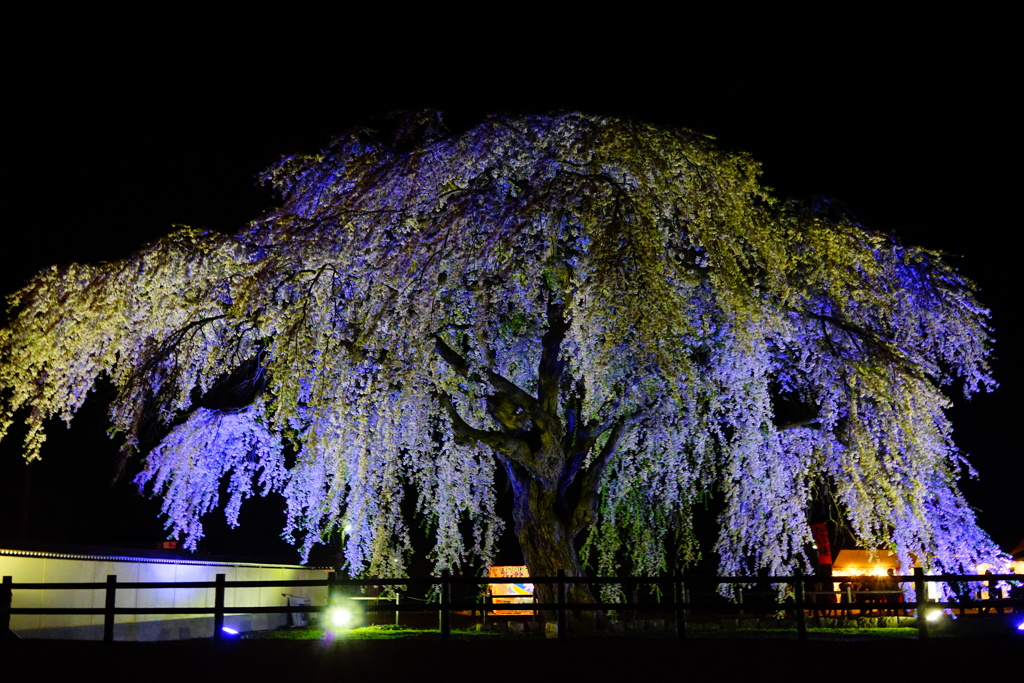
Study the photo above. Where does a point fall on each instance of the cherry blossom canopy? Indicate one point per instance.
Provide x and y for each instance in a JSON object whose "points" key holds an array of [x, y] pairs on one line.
{"points": [[617, 316]]}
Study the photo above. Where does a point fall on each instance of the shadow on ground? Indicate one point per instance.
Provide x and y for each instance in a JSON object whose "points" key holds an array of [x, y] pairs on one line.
{"points": [[492, 660]]}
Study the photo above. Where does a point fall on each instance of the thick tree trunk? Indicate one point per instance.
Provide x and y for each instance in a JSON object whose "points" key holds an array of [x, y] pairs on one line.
{"points": [[548, 545], [543, 447]]}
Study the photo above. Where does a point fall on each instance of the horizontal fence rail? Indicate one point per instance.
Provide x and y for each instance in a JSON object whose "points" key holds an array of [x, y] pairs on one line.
{"points": [[675, 597]]}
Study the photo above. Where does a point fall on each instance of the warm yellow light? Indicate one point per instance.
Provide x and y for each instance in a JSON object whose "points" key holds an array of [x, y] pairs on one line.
{"points": [[861, 571], [1013, 567]]}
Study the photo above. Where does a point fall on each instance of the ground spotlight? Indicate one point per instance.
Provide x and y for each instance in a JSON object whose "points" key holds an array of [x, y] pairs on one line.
{"points": [[229, 632], [341, 617], [934, 615]]}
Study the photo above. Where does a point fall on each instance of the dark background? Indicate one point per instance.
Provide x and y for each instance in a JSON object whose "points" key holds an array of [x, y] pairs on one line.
{"points": [[111, 140]]}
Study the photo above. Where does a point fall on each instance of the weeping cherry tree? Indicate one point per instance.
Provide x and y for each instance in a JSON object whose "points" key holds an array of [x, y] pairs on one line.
{"points": [[615, 316]]}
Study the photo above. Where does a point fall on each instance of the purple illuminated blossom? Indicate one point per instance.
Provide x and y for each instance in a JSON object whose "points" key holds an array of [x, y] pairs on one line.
{"points": [[398, 307]]}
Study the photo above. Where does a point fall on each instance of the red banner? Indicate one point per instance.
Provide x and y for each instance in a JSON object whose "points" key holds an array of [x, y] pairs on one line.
{"points": [[820, 533]]}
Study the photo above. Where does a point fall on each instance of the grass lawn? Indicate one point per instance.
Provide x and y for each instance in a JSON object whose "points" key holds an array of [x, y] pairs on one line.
{"points": [[384, 632], [393, 632]]}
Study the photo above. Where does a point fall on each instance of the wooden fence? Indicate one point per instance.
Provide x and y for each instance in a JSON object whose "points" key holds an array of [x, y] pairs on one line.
{"points": [[675, 598]]}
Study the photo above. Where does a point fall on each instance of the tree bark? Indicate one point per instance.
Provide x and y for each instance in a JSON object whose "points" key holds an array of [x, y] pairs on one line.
{"points": [[548, 544]]}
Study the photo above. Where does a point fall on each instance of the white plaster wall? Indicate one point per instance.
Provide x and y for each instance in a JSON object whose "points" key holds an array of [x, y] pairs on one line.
{"points": [[28, 569]]}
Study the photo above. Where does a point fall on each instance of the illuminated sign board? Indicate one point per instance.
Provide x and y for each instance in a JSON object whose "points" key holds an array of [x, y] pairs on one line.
{"points": [[518, 593]]}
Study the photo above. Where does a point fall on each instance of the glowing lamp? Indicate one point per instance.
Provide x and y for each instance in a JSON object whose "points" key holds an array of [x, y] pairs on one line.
{"points": [[341, 617], [934, 615], [229, 631]]}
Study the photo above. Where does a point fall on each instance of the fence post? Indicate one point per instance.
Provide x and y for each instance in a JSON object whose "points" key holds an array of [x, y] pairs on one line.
{"points": [[798, 594], [632, 596], [6, 598], [563, 628], [218, 608], [108, 608], [332, 588], [922, 621], [678, 600], [446, 600]]}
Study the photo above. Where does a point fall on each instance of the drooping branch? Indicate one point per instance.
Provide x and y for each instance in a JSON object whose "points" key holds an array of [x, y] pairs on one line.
{"points": [[858, 333], [137, 384], [585, 512], [508, 390]]}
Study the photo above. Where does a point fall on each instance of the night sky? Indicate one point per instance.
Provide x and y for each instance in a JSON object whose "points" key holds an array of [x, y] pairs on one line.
{"points": [[115, 144]]}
